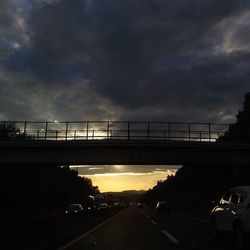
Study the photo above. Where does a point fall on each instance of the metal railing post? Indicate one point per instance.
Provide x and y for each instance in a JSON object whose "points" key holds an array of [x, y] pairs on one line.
{"points": [[37, 135], [74, 134], [108, 130], [169, 127], [128, 130], [46, 131], [189, 132], [148, 130], [56, 134], [66, 131], [24, 129], [209, 131], [87, 133]]}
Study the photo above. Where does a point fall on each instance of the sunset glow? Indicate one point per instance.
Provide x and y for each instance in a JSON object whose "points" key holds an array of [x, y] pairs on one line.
{"points": [[123, 177]]}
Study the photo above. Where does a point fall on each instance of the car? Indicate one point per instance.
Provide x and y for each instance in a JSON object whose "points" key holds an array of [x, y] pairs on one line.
{"points": [[232, 215], [74, 209], [140, 205], [102, 207], [162, 207]]}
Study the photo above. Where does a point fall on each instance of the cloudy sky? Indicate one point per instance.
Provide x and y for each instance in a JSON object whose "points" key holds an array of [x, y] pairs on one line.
{"points": [[143, 60], [125, 177], [182, 60]]}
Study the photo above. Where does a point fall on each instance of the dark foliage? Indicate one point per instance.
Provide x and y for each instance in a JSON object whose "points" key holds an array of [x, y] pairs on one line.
{"points": [[240, 131], [36, 189], [8, 131]]}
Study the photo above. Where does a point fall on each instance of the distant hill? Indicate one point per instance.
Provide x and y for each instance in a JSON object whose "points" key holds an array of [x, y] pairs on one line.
{"points": [[127, 192]]}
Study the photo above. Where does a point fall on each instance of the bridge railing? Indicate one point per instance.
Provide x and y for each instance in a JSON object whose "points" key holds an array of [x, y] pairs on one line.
{"points": [[108, 130]]}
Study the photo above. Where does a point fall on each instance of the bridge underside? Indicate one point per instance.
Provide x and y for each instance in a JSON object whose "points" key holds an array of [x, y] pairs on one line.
{"points": [[132, 152]]}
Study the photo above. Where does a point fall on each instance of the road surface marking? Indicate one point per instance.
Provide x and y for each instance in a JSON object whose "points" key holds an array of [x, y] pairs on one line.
{"points": [[170, 236], [88, 232], [153, 222]]}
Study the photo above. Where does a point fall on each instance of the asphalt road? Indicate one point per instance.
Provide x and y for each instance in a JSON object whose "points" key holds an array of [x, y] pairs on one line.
{"points": [[137, 229], [49, 231]]}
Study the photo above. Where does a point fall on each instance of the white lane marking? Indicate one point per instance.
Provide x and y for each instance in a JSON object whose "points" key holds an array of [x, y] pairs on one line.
{"points": [[170, 236], [88, 232], [166, 233], [153, 222]]}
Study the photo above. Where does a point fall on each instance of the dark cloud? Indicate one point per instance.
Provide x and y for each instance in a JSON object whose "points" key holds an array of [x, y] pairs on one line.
{"points": [[114, 59]]}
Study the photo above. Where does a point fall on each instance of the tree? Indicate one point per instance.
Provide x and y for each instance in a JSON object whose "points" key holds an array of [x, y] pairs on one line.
{"points": [[8, 131], [240, 131]]}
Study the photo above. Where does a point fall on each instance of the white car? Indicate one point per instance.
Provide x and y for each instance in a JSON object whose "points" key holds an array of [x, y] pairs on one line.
{"points": [[232, 215]]}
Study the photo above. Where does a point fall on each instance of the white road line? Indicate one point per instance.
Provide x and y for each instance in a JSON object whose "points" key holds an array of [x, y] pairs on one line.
{"points": [[170, 236], [153, 222], [89, 232], [166, 233]]}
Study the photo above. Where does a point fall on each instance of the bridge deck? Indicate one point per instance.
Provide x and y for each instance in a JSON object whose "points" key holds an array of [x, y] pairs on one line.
{"points": [[103, 152]]}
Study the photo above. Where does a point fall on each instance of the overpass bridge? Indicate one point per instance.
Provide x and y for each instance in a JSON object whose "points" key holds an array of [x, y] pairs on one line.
{"points": [[119, 142]]}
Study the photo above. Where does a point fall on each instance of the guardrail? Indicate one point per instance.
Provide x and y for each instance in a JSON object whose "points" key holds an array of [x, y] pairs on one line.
{"points": [[99, 130]]}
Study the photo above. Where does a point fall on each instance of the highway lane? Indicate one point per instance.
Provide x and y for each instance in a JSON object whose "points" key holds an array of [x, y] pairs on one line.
{"points": [[135, 228], [192, 232], [49, 231], [131, 229]]}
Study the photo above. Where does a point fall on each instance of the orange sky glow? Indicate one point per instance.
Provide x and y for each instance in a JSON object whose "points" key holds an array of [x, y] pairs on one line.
{"points": [[122, 177]]}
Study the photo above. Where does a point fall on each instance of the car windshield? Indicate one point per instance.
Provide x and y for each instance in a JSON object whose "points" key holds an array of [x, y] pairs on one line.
{"points": [[122, 122]]}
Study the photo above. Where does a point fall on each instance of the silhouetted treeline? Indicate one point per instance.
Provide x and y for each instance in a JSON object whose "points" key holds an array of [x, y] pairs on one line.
{"points": [[38, 188], [197, 185], [240, 131], [28, 189], [9, 131]]}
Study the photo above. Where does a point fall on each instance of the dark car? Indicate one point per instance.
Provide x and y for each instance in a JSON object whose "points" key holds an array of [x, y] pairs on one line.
{"points": [[102, 207], [162, 207], [140, 205], [74, 209]]}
